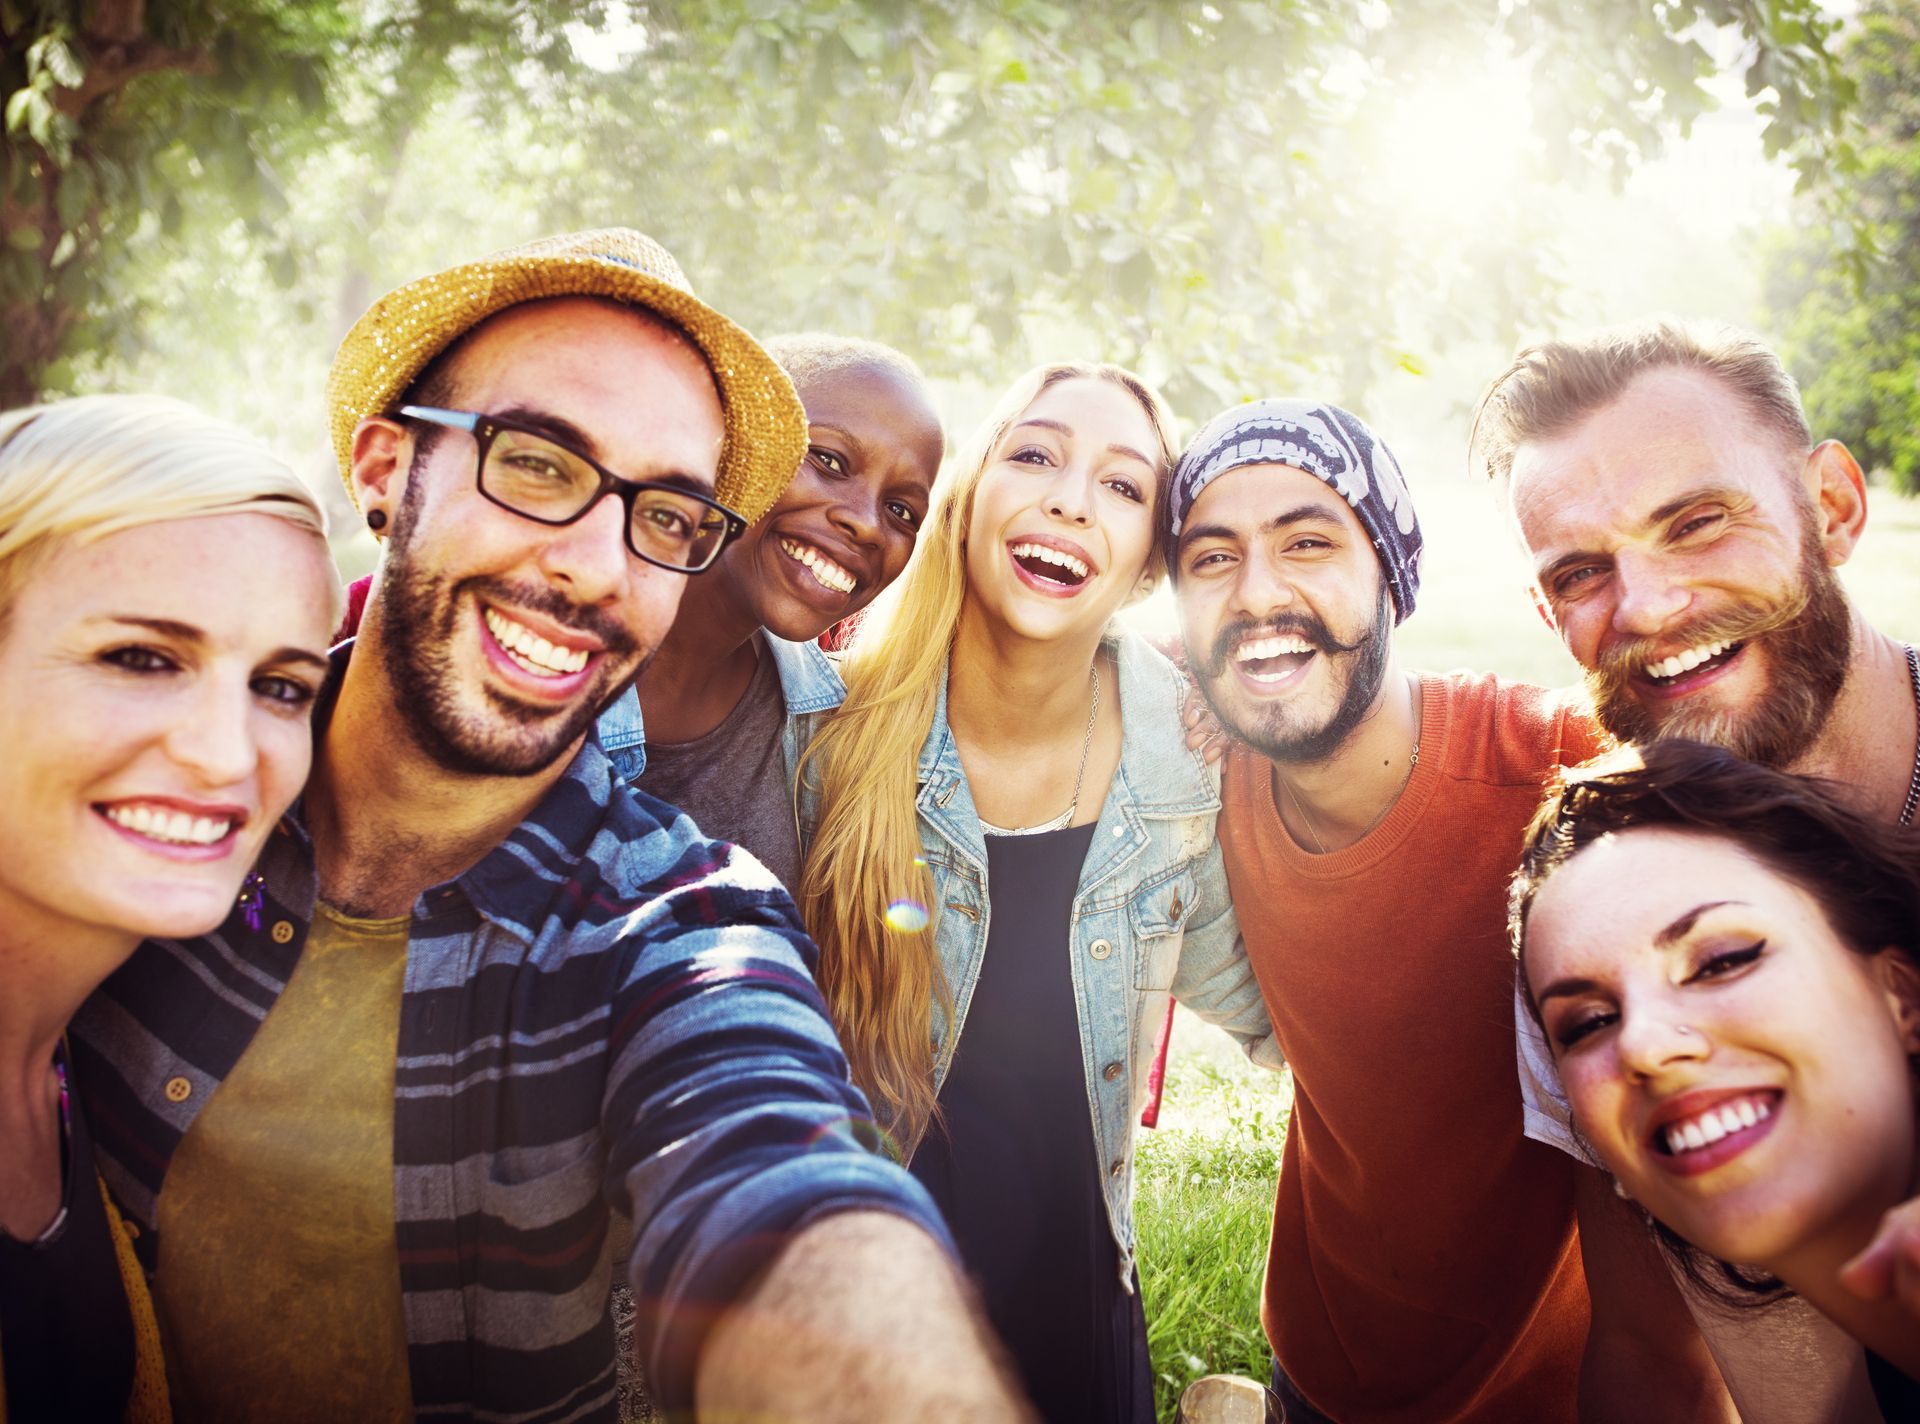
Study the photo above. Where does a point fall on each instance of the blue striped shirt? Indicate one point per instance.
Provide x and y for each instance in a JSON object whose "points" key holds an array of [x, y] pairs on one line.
{"points": [[608, 1012]]}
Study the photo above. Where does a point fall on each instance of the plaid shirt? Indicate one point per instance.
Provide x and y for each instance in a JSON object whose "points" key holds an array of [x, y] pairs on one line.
{"points": [[607, 1011]]}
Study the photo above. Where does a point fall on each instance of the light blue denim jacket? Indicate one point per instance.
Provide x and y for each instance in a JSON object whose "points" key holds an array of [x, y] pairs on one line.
{"points": [[1151, 915], [808, 680]]}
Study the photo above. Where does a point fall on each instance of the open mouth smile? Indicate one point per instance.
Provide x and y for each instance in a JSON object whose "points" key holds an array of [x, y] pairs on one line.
{"points": [[1273, 659], [1703, 1139], [532, 653], [825, 572], [1690, 666], [1048, 567], [159, 824]]}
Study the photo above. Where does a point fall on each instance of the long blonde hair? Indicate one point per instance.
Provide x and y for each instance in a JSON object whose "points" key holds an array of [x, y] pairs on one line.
{"points": [[881, 977]]}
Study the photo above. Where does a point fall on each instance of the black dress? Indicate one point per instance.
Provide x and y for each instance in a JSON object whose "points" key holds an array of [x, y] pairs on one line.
{"points": [[66, 1334], [1014, 1168]]}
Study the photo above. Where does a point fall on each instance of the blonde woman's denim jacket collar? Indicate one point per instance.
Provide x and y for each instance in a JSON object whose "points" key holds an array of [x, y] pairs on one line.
{"points": [[1150, 916], [808, 681]]}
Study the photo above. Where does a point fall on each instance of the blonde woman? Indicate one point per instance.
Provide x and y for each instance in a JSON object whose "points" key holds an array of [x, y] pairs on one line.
{"points": [[1013, 863], [165, 596]]}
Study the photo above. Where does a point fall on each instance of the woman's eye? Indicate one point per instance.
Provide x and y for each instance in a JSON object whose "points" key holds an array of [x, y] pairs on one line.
{"points": [[1716, 966], [135, 658], [827, 460], [289, 691], [1125, 488], [904, 512], [1030, 455], [1582, 1025]]}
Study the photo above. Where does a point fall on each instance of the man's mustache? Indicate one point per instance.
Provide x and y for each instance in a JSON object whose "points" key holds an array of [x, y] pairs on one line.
{"points": [[549, 602], [1303, 626], [1615, 666]]}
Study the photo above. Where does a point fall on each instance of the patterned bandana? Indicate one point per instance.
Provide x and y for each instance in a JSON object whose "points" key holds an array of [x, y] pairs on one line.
{"points": [[1323, 440]]}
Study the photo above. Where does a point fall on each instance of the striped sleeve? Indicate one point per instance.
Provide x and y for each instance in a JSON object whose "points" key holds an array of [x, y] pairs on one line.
{"points": [[729, 1115]]}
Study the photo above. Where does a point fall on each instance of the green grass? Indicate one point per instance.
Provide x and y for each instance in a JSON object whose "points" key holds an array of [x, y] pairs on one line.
{"points": [[1204, 1190]]}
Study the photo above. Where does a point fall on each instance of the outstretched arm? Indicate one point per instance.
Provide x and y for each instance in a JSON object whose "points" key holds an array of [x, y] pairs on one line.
{"points": [[862, 1317]]}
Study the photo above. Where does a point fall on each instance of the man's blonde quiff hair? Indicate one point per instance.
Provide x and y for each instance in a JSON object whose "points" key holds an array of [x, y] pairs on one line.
{"points": [[1552, 385], [78, 470], [882, 981]]}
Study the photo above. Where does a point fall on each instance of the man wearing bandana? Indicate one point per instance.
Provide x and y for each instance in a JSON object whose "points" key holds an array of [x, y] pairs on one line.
{"points": [[1424, 1264]]}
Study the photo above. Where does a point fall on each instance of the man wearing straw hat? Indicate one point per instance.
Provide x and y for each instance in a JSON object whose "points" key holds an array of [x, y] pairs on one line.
{"points": [[479, 995]]}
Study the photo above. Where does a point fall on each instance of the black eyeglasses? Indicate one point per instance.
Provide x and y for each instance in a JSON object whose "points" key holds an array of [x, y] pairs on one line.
{"points": [[534, 476]]}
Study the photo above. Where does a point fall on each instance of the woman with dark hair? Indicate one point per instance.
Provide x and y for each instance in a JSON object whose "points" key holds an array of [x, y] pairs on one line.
{"points": [[724, 696], [1726, 963]]}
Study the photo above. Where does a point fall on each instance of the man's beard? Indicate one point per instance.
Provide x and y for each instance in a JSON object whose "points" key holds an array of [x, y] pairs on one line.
{"points": [[420, 617], [1809, 642], [1273, 731]]}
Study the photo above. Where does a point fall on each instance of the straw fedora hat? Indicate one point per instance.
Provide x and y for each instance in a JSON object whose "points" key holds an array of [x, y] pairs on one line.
{"points": [[766, 428]]}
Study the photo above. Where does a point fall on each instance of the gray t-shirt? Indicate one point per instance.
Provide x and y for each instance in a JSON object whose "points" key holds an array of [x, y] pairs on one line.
{"points": [[733, 781]]}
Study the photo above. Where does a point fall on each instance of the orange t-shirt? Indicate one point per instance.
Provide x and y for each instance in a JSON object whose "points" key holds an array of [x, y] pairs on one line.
{"points": [[1424, 1263]]}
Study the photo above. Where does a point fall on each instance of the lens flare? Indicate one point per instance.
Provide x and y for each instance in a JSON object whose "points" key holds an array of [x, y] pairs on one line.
{"points": [[907, 916]]}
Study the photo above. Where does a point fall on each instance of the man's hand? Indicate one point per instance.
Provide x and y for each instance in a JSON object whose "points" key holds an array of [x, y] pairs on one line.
{"points": [[863, 1317], [1203, 731], [1889, 1269]]}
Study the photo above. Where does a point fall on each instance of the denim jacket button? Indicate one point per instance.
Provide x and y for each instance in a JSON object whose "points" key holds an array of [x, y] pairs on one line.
{"points": [[1112, 1072], [1100, 948], [1119, 1166]]}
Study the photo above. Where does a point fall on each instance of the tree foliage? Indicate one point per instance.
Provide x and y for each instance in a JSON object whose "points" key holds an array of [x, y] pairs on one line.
{"points": [[1183, 185], [1850, 310]]}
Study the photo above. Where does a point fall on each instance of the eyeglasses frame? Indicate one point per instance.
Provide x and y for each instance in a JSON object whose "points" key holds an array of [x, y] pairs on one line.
{"points": [[486, 428]]}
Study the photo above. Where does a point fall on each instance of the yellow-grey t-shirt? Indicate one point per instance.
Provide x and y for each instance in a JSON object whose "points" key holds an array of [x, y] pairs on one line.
{"points": [[278, 1284]]}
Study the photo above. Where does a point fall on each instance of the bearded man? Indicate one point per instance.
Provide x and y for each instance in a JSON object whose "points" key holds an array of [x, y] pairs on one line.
{"points": [[1684, 531], [1424, 1263]]}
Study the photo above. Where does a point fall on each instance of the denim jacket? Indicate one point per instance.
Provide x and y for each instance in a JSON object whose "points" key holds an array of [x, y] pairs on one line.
{"points": [[808, 680], [1150, 917]]}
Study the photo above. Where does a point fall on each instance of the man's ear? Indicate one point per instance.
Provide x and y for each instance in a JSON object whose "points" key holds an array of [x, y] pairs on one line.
{"points": [[1834, 481], [382, 453], [1900, 982]]}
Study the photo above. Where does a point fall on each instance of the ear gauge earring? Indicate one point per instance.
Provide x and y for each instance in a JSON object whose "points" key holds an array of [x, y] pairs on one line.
{"points": [[376, 520]]}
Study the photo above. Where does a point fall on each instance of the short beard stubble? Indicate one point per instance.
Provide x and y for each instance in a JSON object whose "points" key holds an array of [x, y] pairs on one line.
{"points": [[420, 615]]}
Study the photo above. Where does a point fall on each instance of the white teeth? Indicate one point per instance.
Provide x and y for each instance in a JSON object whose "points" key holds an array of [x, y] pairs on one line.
{"points": [[1047, 554], [1271, 648], [176, 827], [1715, 1123], [1686, 660], [532, 651], [825, 571]]}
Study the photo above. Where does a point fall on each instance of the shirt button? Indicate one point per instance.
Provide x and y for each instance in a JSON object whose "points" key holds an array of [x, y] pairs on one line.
{"points": [[1100, 948], [282, 931], [1116, 830], [1173, 910], [1111, 1072], [1119, 1166], [178, 1090]]}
